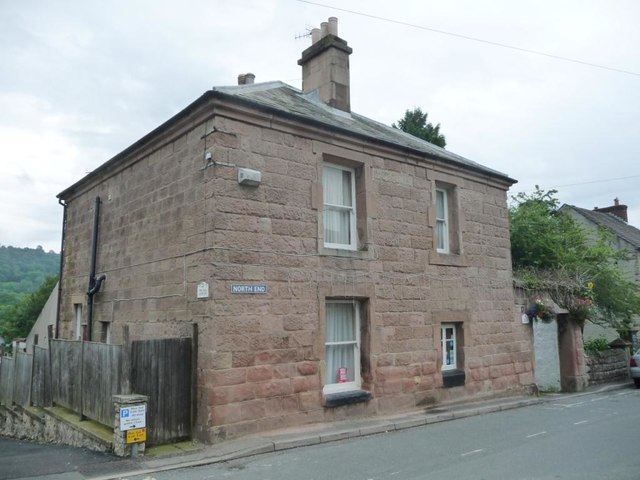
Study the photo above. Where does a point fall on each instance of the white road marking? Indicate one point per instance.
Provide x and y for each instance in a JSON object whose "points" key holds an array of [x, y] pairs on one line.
{"points": [[536, 434], [472, 452], [597, 399], [581, 422], [568, 405]]}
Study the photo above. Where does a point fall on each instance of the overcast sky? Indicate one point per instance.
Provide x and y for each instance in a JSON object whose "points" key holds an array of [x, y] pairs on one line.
{"points": [[82, 80]]}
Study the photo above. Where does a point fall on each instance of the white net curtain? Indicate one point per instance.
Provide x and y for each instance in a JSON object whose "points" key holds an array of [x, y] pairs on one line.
{"points": [[338, 205], [341, 341]]}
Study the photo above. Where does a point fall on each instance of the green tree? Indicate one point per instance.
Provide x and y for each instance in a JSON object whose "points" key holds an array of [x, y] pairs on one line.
{"points": [[415, 123], [551, 251], [19, 318], [22, 270]]}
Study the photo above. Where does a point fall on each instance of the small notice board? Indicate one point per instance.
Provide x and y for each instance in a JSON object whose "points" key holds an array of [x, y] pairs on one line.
{"points": [[134, 417], [137, 435]]}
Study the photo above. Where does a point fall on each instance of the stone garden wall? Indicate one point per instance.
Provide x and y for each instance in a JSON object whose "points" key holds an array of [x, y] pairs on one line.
{"points": [[607, 366]]}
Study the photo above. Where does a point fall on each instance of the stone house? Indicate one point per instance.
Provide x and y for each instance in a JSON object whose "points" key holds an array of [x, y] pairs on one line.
{"points": [[614, 219], [39, 333], [335, 267], [626, 237]]}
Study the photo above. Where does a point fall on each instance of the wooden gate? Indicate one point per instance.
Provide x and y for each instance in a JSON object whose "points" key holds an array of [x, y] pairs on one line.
{"points": [[161, 369]]}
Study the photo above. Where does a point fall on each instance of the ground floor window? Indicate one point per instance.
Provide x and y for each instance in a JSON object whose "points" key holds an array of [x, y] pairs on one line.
{"points": [[449, 346], [342, 346], [452, 337]]}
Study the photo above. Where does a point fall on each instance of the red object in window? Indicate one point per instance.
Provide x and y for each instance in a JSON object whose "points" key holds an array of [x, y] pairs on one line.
{"points": [[342, 375], [632, 362]]}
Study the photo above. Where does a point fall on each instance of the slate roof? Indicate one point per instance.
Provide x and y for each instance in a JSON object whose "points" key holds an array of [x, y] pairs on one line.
{"points": [[286, 99], [615, 224], [281, 99]]}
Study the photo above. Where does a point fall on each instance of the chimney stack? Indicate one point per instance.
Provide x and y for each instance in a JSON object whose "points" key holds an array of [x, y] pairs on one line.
{"points": [[325, 66], [246, 79], [618, 210]]}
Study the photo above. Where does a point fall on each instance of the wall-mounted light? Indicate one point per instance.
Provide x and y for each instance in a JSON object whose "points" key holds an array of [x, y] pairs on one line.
{"points": [[249, 177]]}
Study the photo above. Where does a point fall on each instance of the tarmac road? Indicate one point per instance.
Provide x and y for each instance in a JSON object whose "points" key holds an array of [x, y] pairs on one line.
{"points": [[24, 460], [594, 436]]}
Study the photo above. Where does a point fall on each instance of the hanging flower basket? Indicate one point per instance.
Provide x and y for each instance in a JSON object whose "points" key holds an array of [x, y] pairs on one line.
{"points": [[580, 309], [541, 310]]}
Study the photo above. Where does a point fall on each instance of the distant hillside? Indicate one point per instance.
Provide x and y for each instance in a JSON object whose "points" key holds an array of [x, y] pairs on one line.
{"points": [[22, 270]]}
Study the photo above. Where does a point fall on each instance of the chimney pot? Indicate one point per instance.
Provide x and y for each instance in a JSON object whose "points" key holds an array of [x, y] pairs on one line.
{"points": [[616, 201], [315, 35], [333, 26], [324, 28]]}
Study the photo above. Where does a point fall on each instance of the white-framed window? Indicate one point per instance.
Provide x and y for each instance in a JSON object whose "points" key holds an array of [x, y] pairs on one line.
{"points": [[339, 207], [442, 221], [342, 346], [449, 346], [77, 313]]}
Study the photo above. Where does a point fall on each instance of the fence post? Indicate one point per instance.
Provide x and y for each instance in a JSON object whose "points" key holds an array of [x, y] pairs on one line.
{"points": [[81, 406], [33, 367], [50, 372], [126, 361], [14, 387], [194, 378]]}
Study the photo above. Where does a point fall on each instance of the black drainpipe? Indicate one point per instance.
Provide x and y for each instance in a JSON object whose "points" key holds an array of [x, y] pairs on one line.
{"points": [[64, 228], [94, 283]]}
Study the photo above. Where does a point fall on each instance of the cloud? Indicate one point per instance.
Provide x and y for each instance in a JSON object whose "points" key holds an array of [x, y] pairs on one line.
{"points": [[82, 81]]}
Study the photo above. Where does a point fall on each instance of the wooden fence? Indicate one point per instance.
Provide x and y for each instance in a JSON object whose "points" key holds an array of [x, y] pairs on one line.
{"points": [[7, 380], [83, 377], [86, 375], [41, 380]]}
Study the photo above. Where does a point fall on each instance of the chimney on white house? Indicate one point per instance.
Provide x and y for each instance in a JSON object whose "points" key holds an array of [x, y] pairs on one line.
{"points": [[246, 79], [325, 66], [618, 210]]}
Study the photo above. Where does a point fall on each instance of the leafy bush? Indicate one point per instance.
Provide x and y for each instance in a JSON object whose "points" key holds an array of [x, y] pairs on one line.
{"points": [[595, 345]]}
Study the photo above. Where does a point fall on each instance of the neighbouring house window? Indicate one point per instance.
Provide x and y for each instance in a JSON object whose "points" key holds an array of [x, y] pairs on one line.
{"points": [[77, 313], [342, 346], [442, 221], [105, 334], [339, 198], [449, 346]]}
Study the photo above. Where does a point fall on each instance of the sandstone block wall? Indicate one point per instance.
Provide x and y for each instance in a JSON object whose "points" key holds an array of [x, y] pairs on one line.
{"points": [[170, 222]]}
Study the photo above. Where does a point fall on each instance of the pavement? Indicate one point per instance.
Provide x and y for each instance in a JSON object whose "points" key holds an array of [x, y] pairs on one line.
{"points": [[192, 454]]}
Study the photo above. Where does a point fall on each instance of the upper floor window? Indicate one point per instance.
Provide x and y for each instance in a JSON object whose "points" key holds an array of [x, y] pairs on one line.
{"points": [[339, 195], [442, 221]]}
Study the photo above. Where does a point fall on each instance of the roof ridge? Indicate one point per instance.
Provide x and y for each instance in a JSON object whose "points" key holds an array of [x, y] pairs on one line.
{"points": [[619, 227]]}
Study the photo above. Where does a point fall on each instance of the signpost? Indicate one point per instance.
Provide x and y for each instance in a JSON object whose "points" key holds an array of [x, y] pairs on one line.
{"points": [[130, 429]]}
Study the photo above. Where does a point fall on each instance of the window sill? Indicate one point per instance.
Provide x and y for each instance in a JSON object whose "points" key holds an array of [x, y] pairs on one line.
{"points": [[453, 378], [339, 252], [448, 259], [346, 398]]}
